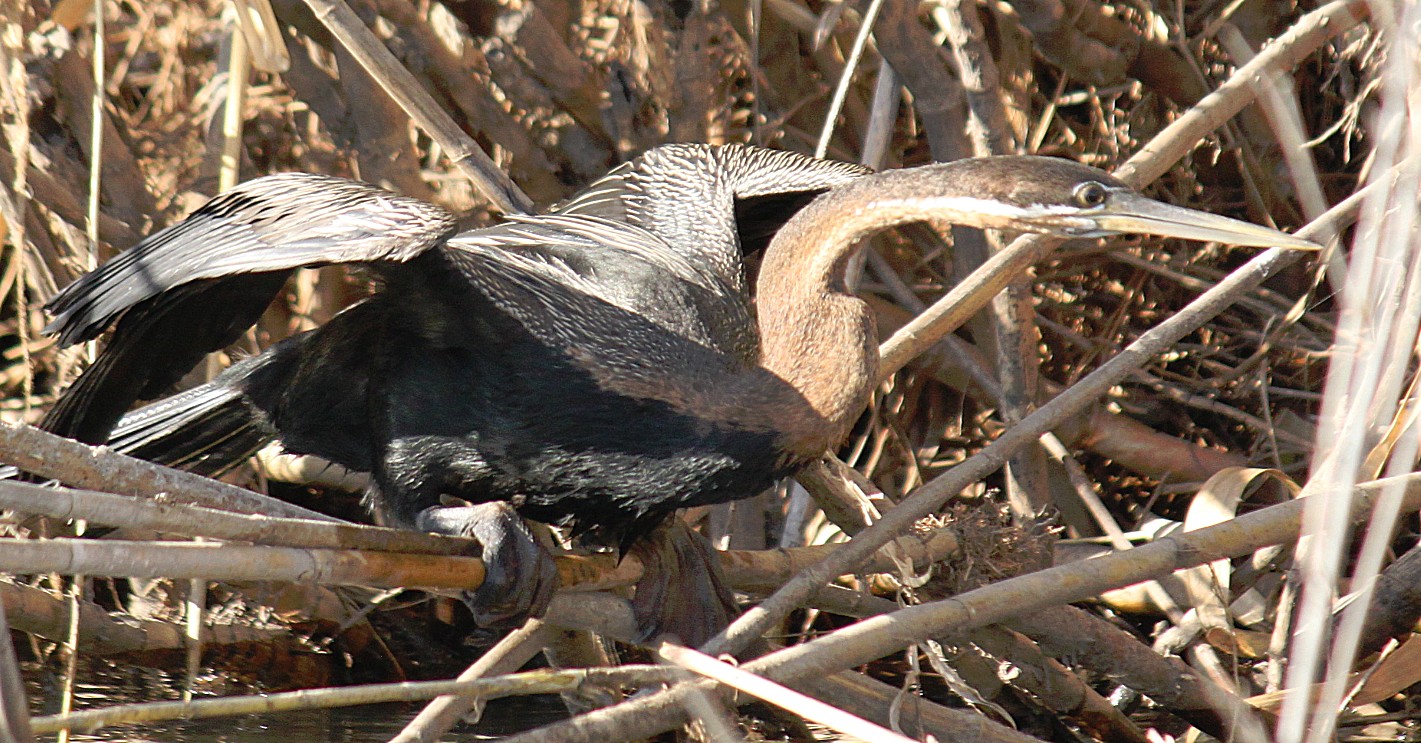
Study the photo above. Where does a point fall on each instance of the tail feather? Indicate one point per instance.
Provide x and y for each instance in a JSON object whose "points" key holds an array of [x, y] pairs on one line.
{"points": [[208, 430]]}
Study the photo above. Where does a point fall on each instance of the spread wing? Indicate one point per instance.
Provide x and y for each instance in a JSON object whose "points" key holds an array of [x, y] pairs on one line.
{"points": [[277, 223], [196, 286]]}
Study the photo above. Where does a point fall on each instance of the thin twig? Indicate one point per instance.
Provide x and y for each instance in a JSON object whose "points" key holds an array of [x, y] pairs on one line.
{"points": [[836, 104], [543, 681], [762, 688], [444, 711]]}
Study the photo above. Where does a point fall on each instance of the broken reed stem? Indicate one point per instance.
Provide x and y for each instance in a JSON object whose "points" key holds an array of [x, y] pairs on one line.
{"points": [[543, 681]]}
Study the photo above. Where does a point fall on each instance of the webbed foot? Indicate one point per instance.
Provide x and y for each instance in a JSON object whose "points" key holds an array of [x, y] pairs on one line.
{"points": [[519, 575], [682, 591]]}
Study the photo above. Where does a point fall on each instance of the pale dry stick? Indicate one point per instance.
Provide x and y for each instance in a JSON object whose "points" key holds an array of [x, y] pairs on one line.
{"points": [[841, 91], [755, 622], [801, 704], [708, 710], [238, 71], [987, 119], [73, 599], [199, 521], [462, 151], [883, 116], [542, 681], [745, 570], [96, 145], [1376, 334], [47, 455], [755, 15], [444, 711], [194, 610], [992, 604]]}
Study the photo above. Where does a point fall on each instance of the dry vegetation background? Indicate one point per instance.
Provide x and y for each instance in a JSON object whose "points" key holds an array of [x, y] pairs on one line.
{"points": [[559, 92]]}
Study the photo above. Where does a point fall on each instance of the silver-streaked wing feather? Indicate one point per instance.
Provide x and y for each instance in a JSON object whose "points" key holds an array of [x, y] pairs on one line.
{"points": [[710, 203], [563, 275], [279, 222]]}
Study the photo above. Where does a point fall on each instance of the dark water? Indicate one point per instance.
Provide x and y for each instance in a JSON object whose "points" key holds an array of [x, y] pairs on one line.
{"points": [[364, 724]]}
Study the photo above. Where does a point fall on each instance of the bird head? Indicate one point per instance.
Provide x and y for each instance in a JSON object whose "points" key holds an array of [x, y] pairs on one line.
{"points": [[1061, 197]]}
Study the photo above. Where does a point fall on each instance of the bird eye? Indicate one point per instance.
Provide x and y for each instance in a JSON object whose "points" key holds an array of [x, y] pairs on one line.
{"points": [[1090, 194]]}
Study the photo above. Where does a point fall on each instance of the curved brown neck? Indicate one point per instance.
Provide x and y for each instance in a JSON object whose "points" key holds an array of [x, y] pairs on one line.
{"points": [[813, 334]]}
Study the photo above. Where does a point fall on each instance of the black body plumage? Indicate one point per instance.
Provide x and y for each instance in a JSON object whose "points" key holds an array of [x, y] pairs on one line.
{"points": [[566, 363]]}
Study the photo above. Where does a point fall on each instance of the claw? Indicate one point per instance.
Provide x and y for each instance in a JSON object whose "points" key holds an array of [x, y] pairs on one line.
{"points": [[682, 591], [519, 575]]}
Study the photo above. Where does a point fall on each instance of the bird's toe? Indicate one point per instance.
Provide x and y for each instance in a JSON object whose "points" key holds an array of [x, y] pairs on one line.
{"points": [[519, 575], [683, 591]]}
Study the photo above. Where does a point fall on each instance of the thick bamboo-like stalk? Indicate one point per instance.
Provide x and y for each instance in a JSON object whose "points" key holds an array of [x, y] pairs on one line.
{"points": [[199, 521], [746, 570], [47, 455]]}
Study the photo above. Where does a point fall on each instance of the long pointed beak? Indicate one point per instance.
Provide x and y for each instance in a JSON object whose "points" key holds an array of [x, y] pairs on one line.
{"points": [[1133, 213]]}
